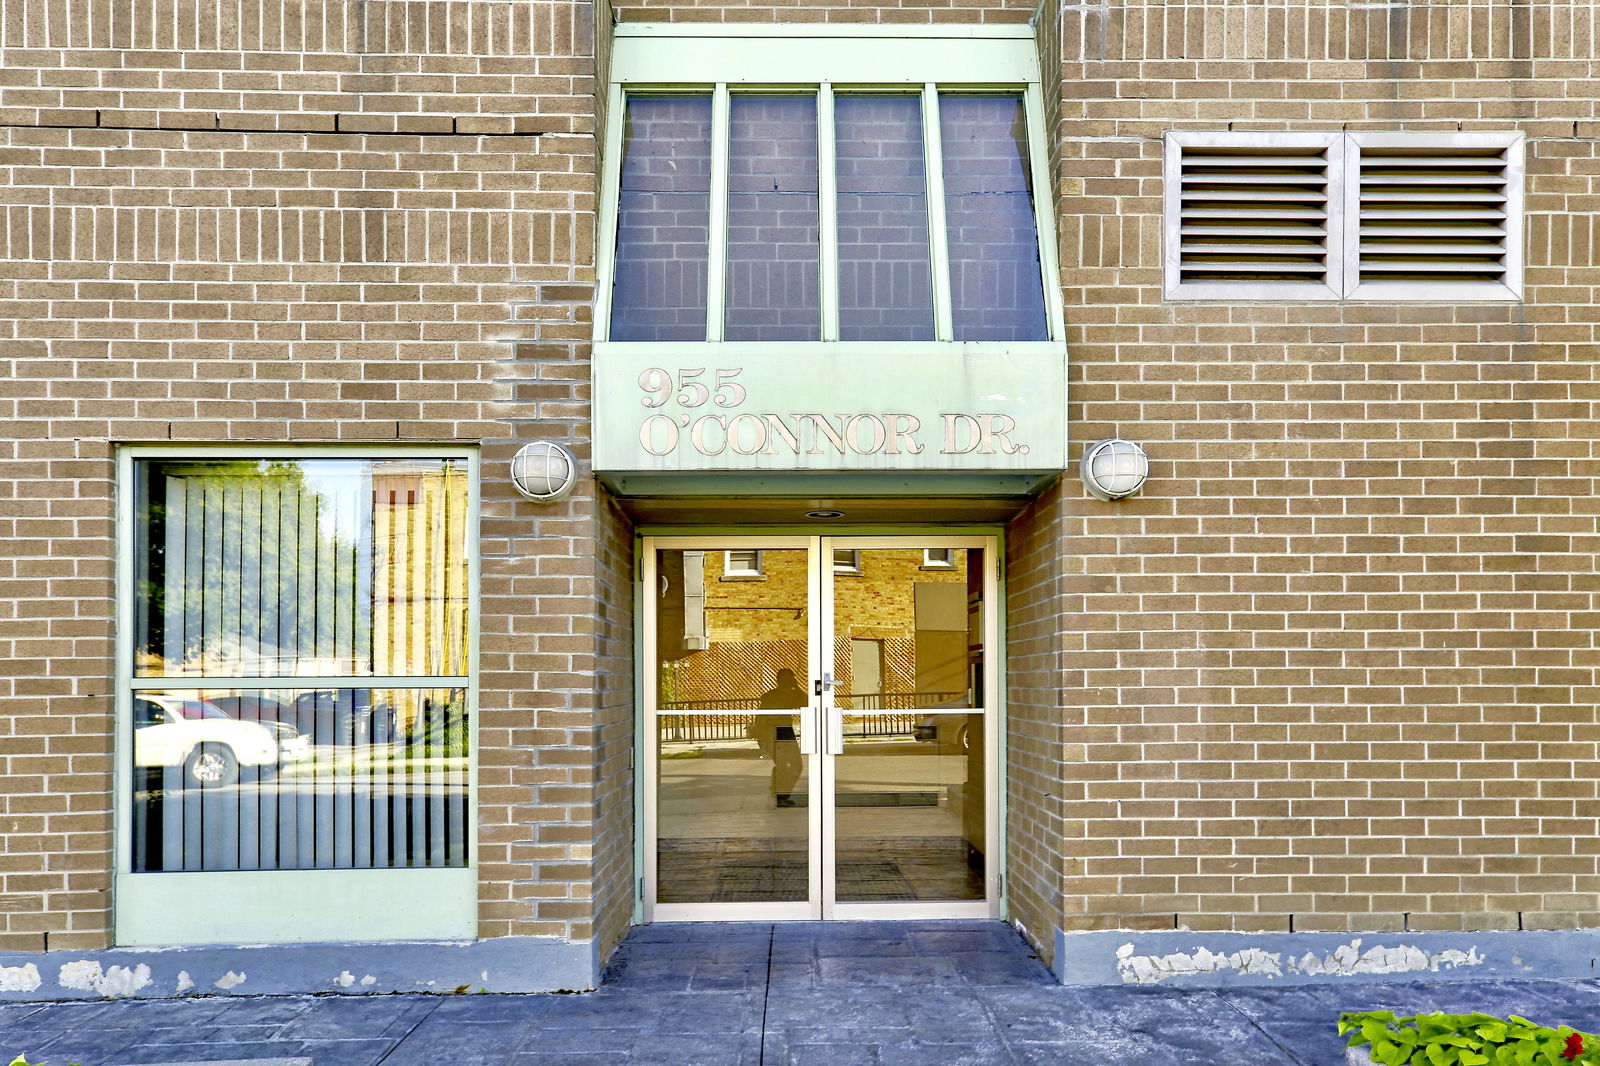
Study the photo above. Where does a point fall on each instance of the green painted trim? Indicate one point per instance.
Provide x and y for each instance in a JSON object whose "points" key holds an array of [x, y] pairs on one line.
{"points": [[902, 530], [821, 29], [722, 483], [944, 327], [641, 750], [295, 906], [892, 59], [1002, 659]]}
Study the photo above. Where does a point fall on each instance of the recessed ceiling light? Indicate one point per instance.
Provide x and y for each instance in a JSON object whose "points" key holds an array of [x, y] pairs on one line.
{"points": [[824, 514]]}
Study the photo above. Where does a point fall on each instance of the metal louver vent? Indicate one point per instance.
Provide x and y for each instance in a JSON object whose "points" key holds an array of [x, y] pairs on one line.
{"points": [[1434, 214], [1251, 214]]}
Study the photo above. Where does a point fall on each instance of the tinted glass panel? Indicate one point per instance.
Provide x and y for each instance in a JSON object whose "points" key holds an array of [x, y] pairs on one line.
{"points": [[909, 637], [996, 289], [299, 779], [663, 208], [772, 219], [885, 268], [312, 567], [909, 799]]}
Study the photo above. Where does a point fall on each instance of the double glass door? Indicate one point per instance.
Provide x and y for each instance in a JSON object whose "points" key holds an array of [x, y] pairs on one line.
{"points": [[821, 721]]}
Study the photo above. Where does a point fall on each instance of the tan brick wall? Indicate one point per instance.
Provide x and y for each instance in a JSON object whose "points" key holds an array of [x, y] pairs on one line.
{"points": [[269, 222], [1336, 667]]}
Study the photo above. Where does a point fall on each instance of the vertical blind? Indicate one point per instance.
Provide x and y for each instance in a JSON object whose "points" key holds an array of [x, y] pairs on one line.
{"points": [[312, 574]]}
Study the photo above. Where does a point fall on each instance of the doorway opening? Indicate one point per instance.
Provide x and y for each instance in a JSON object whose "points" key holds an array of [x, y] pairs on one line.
{"points": [[820, 715]]}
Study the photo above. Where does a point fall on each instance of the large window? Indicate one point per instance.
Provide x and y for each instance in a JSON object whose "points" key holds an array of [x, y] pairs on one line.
{"points": [[299, 671], [887, 207]]}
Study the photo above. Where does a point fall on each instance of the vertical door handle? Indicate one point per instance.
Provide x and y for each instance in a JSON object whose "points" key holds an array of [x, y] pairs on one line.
{"points": [[835, 732], [808, 731]]}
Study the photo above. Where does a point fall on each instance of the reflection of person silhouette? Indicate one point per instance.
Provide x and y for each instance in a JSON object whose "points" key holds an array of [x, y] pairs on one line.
{"points": [[774, 733]]}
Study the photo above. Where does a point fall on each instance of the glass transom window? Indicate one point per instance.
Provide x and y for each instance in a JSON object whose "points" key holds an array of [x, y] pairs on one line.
{"points": [[890, 210]]}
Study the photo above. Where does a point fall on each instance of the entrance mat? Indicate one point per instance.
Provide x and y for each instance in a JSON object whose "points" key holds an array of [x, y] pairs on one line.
{"points": [[865, 799], [767, 880]]}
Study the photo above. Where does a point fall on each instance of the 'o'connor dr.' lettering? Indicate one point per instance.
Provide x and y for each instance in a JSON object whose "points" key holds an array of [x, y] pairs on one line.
{"points": [[802, 433], [820, 434]]}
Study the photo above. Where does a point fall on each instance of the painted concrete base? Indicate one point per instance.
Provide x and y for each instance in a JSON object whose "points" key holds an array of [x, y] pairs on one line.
{"points": [[508, 964], [1123, 957]]}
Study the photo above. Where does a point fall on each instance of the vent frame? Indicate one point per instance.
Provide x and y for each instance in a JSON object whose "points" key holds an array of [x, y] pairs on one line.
{"points": [[1185, 148], [1183, 275], [1370, 156]]}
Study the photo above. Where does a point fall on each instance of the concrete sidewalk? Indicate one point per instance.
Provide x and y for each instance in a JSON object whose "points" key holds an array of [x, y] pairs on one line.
{"points": [[835, 994]]}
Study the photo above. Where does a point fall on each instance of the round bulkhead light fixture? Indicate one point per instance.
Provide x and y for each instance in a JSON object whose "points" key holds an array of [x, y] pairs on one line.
{"points": [[1113, 469], [544, 471]]}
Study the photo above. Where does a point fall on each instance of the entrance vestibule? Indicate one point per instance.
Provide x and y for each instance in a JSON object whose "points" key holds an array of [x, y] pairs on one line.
{"points": [[820, 717]]}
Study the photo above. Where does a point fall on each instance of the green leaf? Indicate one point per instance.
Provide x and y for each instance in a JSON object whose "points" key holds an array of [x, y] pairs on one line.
{"points": [[1473, 1058]]}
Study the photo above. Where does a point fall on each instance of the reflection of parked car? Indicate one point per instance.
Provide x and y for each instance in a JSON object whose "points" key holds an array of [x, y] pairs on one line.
{"points": [[948, 731], [326, 716], [276, 715], [193, 734]]}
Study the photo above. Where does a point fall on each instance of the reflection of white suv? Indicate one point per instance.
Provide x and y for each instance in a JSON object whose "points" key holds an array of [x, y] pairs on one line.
{"points": [[210, 746]]}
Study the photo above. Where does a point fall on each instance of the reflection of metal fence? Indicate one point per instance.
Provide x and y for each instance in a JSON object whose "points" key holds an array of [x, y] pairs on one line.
{"points": [[898, 701], [703, 727]]}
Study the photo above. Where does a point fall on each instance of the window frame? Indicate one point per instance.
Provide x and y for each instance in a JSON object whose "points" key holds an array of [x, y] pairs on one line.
{"points": [[1342, 282], [821, 60], [268, 905], [757, 572]]}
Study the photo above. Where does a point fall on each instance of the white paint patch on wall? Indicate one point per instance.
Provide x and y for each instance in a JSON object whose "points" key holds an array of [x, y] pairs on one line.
{"points": [[229, 980], [1347, 960], [20, 978], [85, 975]]}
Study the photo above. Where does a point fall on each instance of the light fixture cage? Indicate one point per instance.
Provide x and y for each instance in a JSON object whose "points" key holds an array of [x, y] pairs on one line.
{"points": [[544, 471], [1113, 469]]}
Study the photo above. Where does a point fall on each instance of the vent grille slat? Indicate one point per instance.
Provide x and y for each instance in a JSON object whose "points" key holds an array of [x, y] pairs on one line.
{"points": [[1254, 216], [1434, 216]]}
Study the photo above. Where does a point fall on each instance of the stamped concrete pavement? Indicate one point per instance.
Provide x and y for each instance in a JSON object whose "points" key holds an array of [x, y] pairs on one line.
{"points": [[788, 994]]}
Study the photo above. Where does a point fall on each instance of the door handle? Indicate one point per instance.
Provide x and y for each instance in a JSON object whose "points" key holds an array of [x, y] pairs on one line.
{"points": [[835, 733], [808, 731]]}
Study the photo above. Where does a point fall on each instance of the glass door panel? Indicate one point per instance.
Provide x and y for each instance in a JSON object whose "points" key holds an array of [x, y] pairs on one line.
{"points": [[909, 808], [731, 800], [732, 703], [908, 628]]}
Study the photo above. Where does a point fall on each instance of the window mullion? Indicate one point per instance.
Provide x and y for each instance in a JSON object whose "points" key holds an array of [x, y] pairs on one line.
{"points": [[611, 187], [933, 168], [1044, 214], [827, 214], [717, 257]]}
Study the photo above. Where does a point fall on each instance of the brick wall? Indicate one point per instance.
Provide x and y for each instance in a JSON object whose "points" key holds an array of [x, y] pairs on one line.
{"points": [[1336, 667], [226, 223]]}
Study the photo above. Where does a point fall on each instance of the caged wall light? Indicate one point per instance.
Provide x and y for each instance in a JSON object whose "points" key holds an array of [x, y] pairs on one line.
{"points": [[544, 471], [1113, 469]]}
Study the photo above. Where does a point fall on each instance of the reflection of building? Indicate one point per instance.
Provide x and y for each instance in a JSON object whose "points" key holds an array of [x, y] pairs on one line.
{"points": [[419, 612], [902, 636]]}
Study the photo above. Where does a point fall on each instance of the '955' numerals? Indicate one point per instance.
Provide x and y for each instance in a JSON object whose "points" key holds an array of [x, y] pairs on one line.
{"points": [[659, 387]]}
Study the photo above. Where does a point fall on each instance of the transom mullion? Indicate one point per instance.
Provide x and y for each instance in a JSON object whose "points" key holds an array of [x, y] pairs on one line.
{"points": [[1043, 212], [827, 214], [933, 168], [717, 257]]}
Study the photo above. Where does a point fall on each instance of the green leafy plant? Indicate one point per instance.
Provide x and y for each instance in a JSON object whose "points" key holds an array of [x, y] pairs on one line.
{"points": [[1466, 1040]]}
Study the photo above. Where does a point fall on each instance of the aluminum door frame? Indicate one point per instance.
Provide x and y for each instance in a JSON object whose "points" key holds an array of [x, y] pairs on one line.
{"points": [[824, 722]]}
